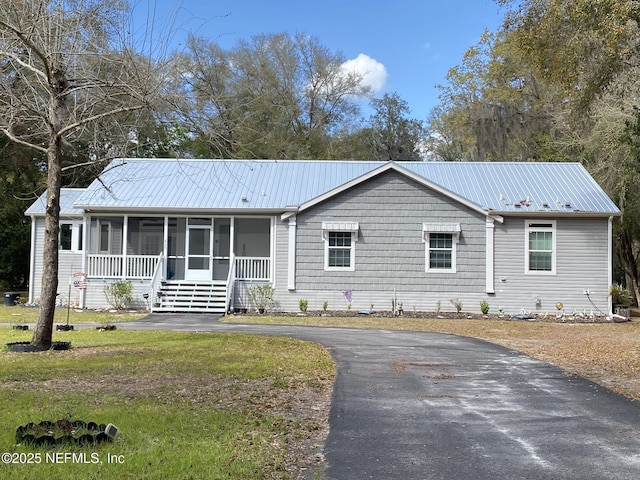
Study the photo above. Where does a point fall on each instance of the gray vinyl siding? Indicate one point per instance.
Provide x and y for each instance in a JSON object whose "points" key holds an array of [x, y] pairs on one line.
{"points": [[68, 263], [582, 263], [390, 251]]}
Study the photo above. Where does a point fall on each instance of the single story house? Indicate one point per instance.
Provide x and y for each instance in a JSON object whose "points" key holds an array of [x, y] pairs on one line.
{"points": [[196, 235]]}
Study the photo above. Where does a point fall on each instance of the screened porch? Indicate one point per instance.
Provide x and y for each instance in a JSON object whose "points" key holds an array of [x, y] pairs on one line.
{"points": [[199, 248]]}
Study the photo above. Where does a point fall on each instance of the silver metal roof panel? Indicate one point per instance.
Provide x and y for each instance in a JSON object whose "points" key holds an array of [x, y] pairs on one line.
{"points": [[273, 185], [68, 197]]}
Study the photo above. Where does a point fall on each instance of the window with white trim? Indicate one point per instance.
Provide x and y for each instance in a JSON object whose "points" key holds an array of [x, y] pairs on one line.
{"points": [[340, 245], [70, 238], [540, 247], [104, 242], [66, 231], [440, 240]]}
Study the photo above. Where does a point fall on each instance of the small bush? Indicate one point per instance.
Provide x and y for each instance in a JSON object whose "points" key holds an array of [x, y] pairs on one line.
{"points": [[484, 307], [325, 305], [303, 304], [119, 294], [620, 295], [261, 296]]}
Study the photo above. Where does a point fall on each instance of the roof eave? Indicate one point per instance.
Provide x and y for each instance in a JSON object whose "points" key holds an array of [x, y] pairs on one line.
{"points": [[557, 213], [382, 169], [181, 210]]}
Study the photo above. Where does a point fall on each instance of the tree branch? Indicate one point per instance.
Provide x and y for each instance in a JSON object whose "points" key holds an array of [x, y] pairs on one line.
{"points": [[99, 116], [19, 141], [23, 64]]}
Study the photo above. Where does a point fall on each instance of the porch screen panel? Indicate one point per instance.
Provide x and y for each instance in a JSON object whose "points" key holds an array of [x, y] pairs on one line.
{"points": [[105, 235], [253, 237], [221, 247], [145, 235], [176, 248], [222, 237]]}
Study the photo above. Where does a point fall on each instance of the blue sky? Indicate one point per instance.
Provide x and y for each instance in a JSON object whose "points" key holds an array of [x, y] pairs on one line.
{"points": [[406, 46]]}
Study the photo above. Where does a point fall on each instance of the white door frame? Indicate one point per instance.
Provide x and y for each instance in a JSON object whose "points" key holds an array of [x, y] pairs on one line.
{"points": [[199, 273]]}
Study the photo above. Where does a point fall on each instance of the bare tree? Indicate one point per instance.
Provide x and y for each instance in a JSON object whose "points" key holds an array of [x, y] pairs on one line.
{"points": [[70, 76]]}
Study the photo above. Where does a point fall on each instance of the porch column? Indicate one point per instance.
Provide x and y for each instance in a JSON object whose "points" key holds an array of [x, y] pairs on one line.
{"points": [[32, 261], [489, 248], [86, 225], [291, 271], [125, 240], [165, 248]]}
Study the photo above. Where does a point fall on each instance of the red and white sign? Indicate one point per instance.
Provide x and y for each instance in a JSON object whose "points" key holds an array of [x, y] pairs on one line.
{"points": [[79, 280]]}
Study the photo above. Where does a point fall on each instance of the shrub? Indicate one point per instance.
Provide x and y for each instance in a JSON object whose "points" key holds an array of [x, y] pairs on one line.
{"points": [[119, 294], [303, 304], [261, 295], [325, 305], [484, 307], [620, 295]]}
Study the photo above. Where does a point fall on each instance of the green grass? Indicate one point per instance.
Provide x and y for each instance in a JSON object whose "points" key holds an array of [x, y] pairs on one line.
{"points": [[188, 405], [25, 315]]}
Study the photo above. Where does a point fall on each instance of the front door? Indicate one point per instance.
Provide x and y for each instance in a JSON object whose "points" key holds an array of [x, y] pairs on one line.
{"points": [[199, 249]]}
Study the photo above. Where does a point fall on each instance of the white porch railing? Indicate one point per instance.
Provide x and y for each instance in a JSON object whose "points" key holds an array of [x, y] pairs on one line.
{"points": [[253, 268], [104, 265], [145, 266], [141, 266], [111, 266]]}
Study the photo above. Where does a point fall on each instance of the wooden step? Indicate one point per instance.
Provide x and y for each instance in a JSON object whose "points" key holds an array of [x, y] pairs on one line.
{"points": [[188, 296]]}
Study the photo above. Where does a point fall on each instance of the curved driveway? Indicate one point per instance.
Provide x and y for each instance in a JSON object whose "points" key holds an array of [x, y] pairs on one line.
{"points": [[412, 405]]}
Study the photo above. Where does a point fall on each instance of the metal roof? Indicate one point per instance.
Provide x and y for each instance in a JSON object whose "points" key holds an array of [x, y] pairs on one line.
{"points": [[68, 197], [515, 187], [279, 185]]}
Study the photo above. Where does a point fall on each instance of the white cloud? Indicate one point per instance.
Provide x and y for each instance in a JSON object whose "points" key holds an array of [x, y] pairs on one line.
{"points": [[374, 73]]}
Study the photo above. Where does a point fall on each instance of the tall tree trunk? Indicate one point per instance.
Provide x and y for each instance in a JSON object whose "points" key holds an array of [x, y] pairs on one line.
{"points": [[43, 331], [627, 249]]}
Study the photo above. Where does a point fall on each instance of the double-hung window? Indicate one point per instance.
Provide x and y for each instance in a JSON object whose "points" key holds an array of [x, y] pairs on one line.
{"points": [[440, 251], [540, 248], [440, 240], [339, 245]]}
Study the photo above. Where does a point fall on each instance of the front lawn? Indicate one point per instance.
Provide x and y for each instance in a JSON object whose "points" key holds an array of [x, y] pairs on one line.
{"points": [[188, 405], [23, 315]]}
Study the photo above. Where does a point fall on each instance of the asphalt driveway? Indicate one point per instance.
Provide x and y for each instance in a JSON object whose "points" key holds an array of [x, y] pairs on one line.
{"points": [[433, 406]]}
